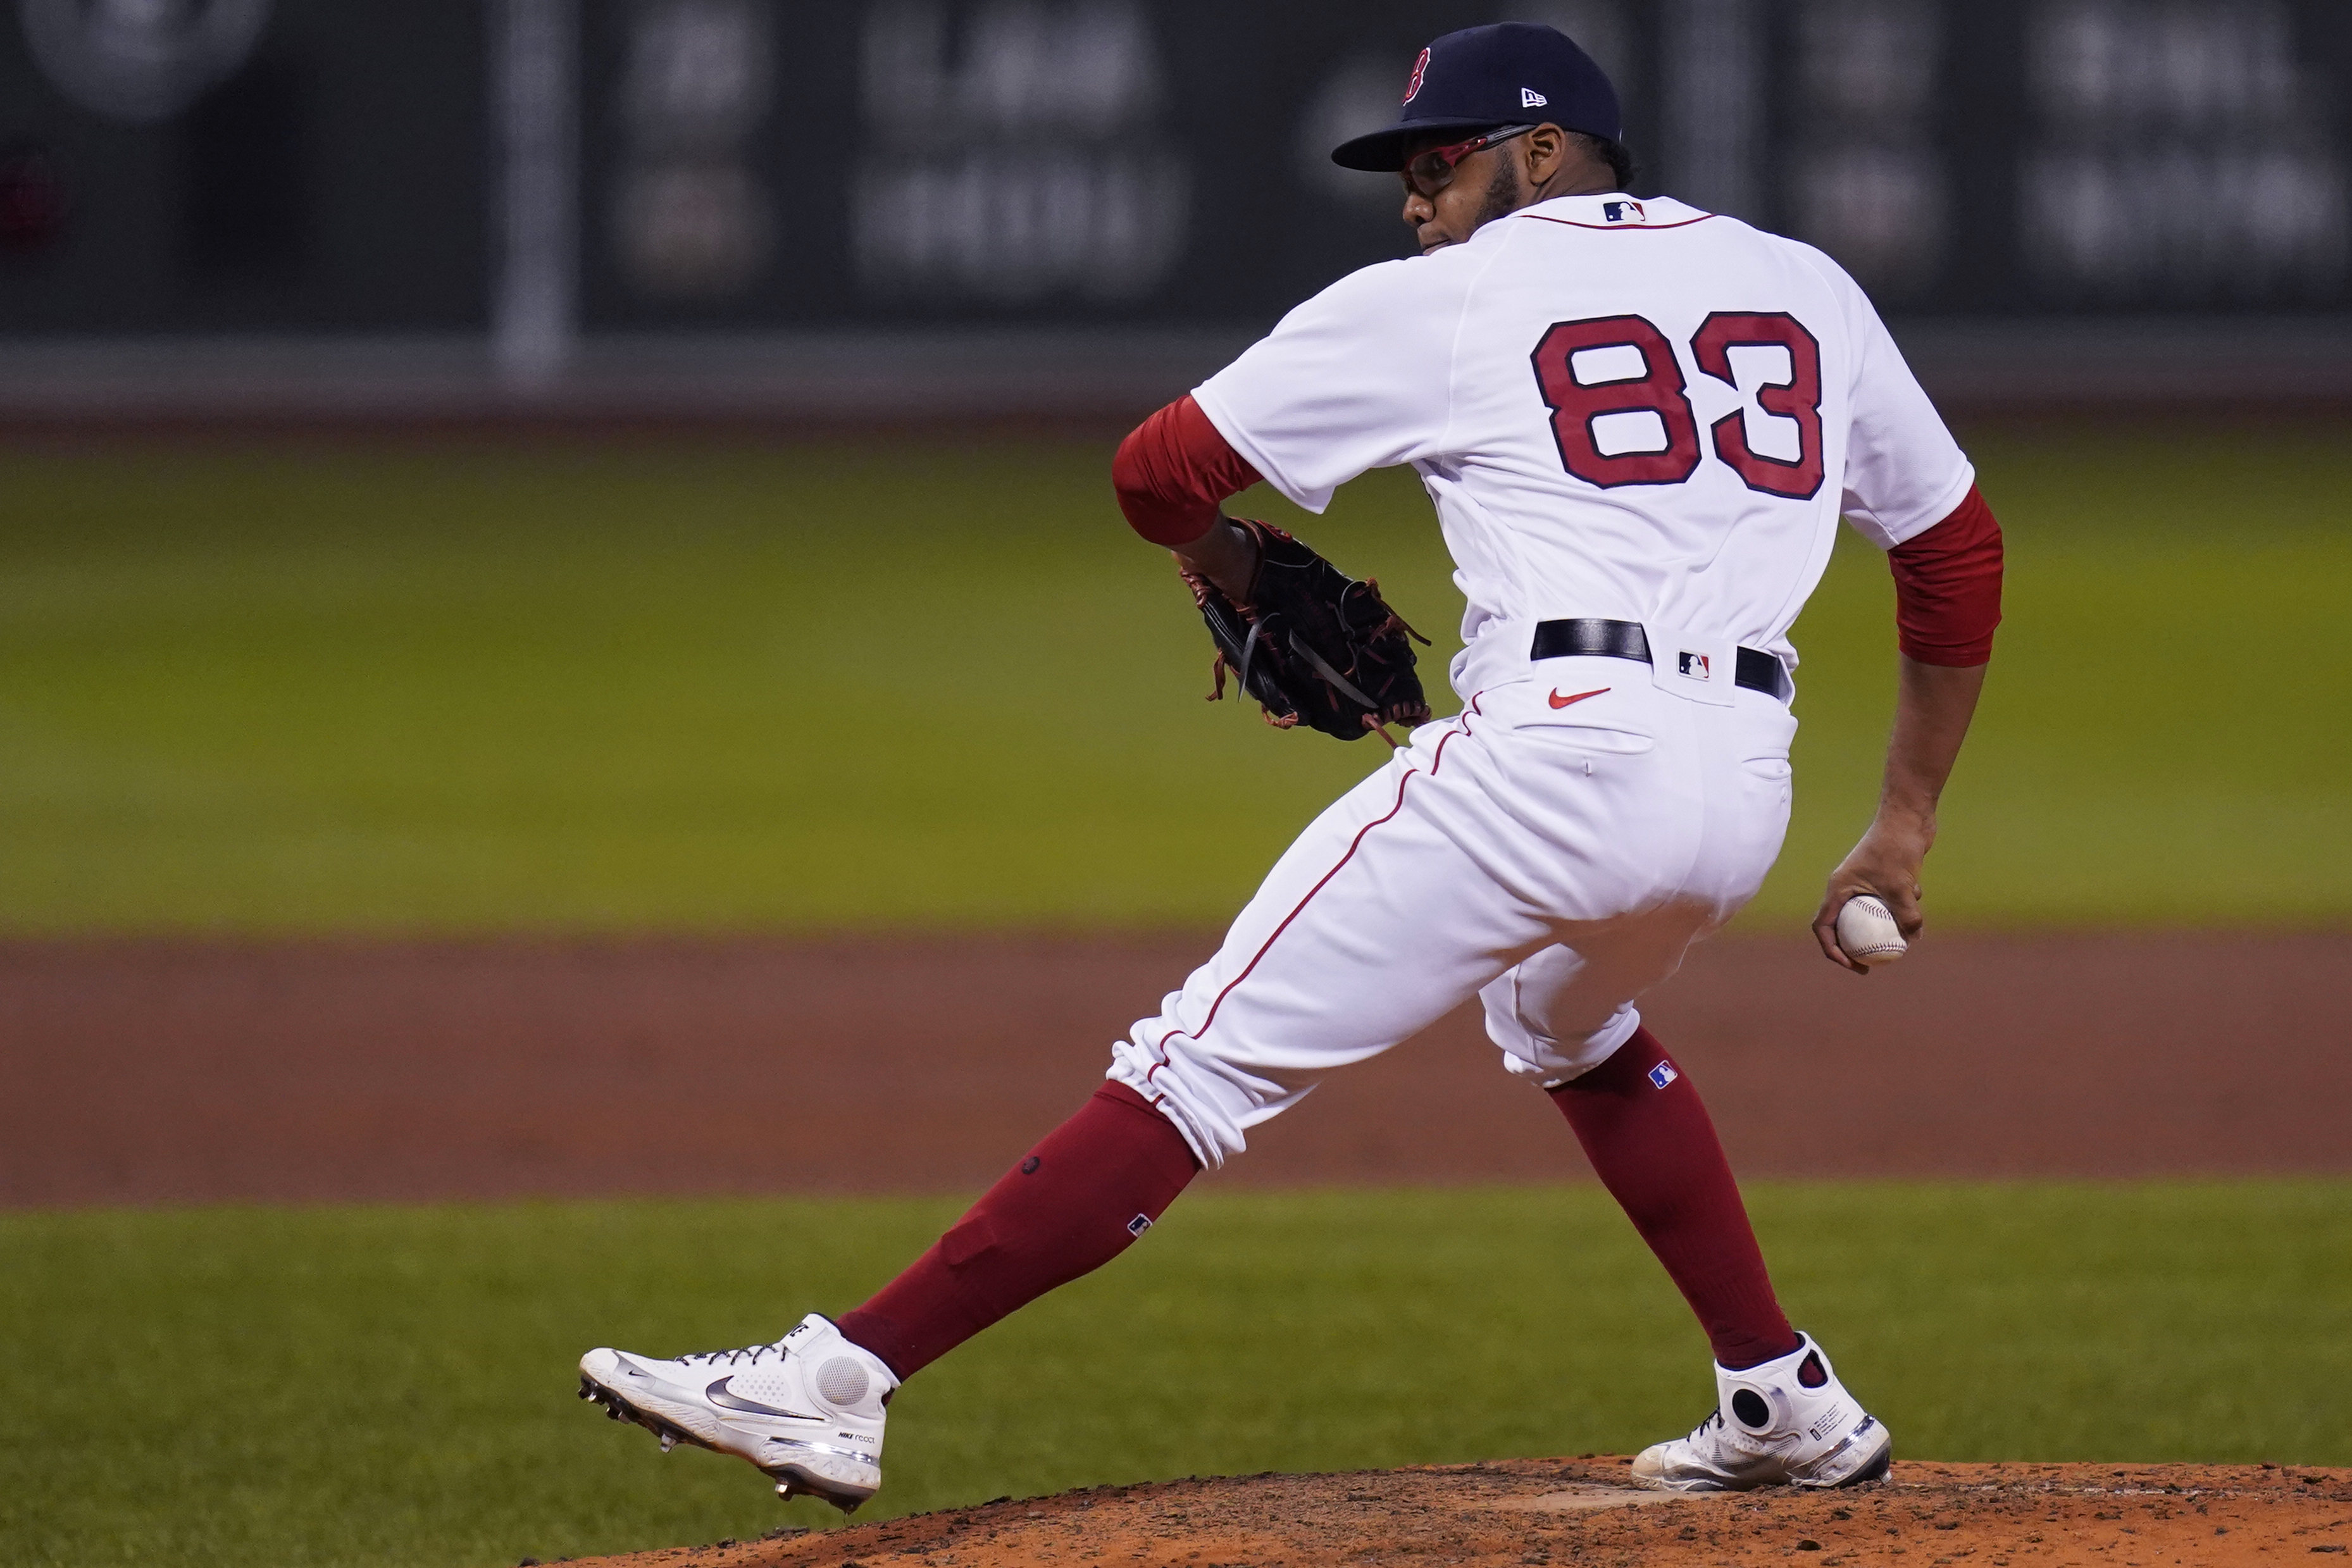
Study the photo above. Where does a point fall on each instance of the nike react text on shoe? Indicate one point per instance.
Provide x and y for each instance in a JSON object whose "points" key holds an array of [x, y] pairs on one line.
{"points": [[807, 1410], [1786, 1423]]}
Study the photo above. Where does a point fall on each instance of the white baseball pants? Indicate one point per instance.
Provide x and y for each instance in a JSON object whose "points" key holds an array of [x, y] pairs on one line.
{"points": [[1554, 859]]}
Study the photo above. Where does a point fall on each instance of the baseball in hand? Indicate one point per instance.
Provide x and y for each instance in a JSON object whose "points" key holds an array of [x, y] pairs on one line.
{"points": [[1867, 931]]}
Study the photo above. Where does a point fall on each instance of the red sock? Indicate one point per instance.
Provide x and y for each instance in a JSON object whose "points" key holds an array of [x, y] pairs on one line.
{"points": [[1080, 1199], [1657, 1153]]}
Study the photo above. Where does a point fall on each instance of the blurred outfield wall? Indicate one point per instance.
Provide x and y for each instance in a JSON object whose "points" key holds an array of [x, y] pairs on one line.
{"points": [[1065, 204]]}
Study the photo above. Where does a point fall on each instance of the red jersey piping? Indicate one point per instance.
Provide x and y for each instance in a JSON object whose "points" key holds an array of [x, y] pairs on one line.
{"points": [[1623, 228]]}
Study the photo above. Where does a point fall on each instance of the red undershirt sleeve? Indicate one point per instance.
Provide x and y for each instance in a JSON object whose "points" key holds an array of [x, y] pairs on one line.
{"points": [[1172, 473], [1947, 586]]}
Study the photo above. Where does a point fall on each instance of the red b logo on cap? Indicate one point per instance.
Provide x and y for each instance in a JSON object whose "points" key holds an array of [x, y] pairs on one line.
{"points": [[1419, 65]]}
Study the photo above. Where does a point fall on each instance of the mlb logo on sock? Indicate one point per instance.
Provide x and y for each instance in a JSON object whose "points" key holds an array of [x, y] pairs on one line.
{"points": [[1663, 1075], [1139, 1224]]}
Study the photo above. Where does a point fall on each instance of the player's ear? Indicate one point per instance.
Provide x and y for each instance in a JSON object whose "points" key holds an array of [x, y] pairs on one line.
{"points": [[1547, 151]]}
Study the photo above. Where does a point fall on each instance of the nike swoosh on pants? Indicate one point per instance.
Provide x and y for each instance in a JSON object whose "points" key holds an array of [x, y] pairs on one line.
{"points": [[1559, 701]]}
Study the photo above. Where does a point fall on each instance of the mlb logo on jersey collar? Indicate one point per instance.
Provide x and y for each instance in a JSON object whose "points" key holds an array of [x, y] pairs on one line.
{"points": [[1622, 211]]}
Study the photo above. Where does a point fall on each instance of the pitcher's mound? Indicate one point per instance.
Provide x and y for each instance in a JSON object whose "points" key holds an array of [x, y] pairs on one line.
{"points": [[1535, 1512]]}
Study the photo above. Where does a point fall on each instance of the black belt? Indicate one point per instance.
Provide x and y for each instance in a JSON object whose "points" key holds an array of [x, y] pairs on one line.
{"points": [[1753, 667]]}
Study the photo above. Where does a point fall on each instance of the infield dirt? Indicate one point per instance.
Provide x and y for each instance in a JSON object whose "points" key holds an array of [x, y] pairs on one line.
{"points": [[146, 1072], [1540, 1511]]}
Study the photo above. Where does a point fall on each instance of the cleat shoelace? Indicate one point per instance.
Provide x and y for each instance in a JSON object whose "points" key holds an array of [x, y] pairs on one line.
{"points": [[749, 1352]]}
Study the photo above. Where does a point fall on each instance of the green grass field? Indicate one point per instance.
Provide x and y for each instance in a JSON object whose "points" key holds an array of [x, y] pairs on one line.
{"points": [[719, 687], [393, 1386], [686, 687]]}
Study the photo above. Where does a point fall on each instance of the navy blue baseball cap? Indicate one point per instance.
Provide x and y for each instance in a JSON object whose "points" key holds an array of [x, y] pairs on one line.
{"points": [[1510, 73]]}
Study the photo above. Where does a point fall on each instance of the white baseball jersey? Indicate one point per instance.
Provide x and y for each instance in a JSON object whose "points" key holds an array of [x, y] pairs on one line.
{"points": [[1623, 409], [1629, 409]]}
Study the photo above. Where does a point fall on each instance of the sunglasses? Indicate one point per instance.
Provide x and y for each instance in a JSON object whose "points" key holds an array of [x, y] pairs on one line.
{"points": [[1430, 171]]}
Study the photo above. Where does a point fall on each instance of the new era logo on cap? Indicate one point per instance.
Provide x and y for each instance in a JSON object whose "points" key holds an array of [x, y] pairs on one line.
{"points": [[1530, 98]]}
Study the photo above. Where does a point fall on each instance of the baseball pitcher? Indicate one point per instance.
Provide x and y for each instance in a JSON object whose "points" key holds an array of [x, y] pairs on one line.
{"points": [[1639, 424]]}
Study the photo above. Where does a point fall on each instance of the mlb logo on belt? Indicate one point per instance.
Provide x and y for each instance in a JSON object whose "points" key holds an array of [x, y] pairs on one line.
{"points": [[1623, 211], [1696, 664]]}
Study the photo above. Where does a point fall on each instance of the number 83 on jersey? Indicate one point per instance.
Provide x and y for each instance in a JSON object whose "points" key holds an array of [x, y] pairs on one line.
{"points": [[1607, 366]]}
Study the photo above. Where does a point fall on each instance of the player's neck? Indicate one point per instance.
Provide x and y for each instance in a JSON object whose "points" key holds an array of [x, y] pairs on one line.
{"points": [[1576, 176], [1582, 182]]}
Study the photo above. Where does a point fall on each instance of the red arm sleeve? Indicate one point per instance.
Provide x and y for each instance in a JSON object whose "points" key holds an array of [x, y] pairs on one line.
{"points": [[1947, 586], [1173, 471]]}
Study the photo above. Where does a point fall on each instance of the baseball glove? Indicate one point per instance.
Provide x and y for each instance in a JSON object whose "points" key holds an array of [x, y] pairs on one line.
{"points": [[1313, 645]]}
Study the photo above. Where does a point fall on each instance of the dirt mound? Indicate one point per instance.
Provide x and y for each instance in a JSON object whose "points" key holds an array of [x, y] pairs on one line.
{"points": [[1535, 1512]]}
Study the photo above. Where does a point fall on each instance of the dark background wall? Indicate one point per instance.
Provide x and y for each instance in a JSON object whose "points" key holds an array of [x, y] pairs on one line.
{"points": [[233, 165], [328, 174]]}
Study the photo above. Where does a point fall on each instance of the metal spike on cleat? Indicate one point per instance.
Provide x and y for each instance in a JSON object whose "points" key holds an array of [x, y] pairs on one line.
{"points": [[669, 1441]]}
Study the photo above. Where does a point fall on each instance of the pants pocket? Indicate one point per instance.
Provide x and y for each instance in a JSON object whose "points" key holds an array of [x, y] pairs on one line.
{"points": [[1772, 774], [1593, 738]]}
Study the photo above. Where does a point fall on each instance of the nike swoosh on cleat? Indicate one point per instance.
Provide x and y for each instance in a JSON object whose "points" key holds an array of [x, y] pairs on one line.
{"points": [[1559, 701], [719, 1393]]}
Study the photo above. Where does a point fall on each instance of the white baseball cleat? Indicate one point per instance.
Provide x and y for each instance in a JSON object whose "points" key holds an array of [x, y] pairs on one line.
{"points": [[1788, 1422], [807, 1410]]}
